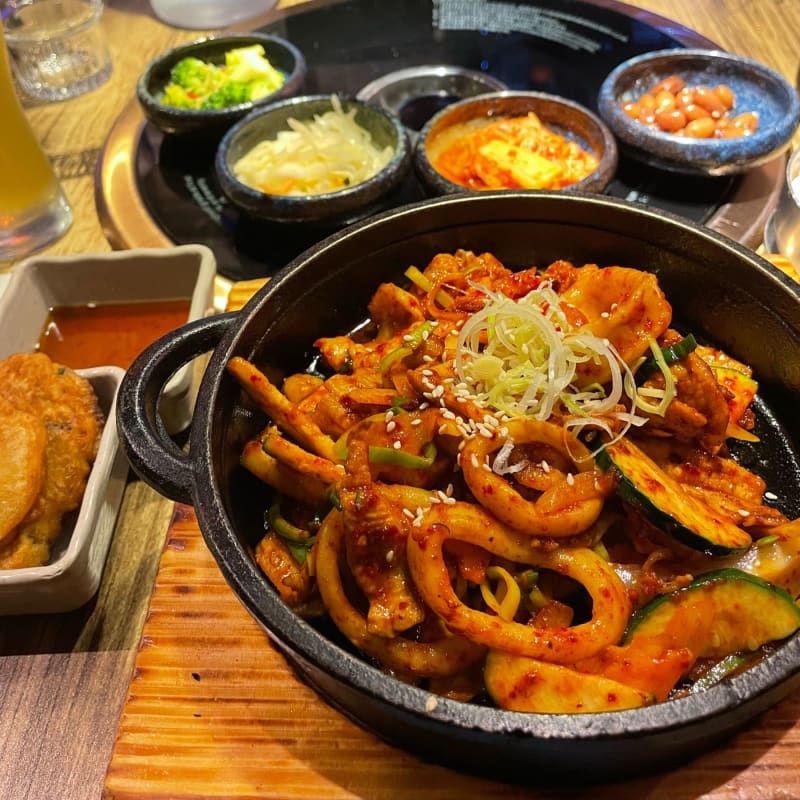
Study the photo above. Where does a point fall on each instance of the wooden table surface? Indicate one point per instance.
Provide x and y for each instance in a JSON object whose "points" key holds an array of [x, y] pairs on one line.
{"points": [[64, 678]]}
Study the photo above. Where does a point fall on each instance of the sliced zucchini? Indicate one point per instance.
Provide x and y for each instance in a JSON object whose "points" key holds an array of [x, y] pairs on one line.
{"points": [[735, 662], [671, 355], [662, 500], [742, 387], [518, 683], [732, 612], [719, 358]]}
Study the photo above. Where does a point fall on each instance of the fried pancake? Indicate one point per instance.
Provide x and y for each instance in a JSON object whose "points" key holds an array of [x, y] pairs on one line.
{"points": [[22, 447], [67, 406]]}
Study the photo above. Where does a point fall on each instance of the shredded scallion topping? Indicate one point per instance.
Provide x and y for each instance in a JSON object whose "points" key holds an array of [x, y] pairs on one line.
{"points": [[521, 357]]}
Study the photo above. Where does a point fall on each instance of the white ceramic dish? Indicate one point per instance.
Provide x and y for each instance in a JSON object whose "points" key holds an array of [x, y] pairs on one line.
{"points": [[73, 574], [43, 282]]}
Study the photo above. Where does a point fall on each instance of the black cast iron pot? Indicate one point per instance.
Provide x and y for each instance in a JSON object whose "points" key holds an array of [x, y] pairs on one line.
{"points": [[722, 292]]}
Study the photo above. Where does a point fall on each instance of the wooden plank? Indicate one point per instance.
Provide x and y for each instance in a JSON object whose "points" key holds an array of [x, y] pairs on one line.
{"points": [[215, 711]]}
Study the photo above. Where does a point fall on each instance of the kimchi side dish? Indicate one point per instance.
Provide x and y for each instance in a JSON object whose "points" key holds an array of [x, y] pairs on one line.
{"points": [[519, 488]]}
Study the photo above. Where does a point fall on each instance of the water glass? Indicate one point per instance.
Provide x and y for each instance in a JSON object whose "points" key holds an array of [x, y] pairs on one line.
{"points": [[58, 47], [33, 210], [208, 14], [783, 229]]}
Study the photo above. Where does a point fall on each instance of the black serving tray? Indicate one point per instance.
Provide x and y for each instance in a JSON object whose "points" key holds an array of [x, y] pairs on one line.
{"points": [[565, 47]]}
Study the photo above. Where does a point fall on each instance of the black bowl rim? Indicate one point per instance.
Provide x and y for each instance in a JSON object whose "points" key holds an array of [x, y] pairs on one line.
{"points": [[757, 685], [311, 207], [698, 155], [191, 116], [596, 181]]}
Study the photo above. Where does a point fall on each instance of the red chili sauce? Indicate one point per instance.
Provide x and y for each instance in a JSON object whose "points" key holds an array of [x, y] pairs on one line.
{"points": [[108, 334]]}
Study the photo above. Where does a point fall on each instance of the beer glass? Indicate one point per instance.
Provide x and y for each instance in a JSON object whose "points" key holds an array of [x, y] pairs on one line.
{"points": [[33, 209]]}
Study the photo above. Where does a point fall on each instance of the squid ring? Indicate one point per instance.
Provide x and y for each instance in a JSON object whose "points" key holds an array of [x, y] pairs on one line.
{"points": [[436, 659], [566, 509], [611, 606]]}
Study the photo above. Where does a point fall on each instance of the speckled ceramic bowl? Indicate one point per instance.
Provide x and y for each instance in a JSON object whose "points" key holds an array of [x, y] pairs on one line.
{"points": [[343, 206], [283, 55], [560, 115], [756, 88]]}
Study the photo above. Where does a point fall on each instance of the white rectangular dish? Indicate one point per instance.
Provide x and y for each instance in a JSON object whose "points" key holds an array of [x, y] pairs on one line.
{"points": [[43, 282], [79, 553]]}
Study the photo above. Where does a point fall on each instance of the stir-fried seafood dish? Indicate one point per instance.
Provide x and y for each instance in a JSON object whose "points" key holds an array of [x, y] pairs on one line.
{"points": [[520, 488]]}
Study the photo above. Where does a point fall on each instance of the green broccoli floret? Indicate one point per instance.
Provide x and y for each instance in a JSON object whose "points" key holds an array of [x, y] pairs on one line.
{"points": [[248, 64], [194, 75], [176, 96], [246, 76], [230, 94]]}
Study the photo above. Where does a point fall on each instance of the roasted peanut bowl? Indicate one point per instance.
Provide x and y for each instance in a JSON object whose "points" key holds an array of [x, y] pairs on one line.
{"points": [[732, 302]]}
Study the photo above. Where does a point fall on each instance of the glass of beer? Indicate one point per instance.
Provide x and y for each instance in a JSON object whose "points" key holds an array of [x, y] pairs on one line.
{"points": [[33, 209]]}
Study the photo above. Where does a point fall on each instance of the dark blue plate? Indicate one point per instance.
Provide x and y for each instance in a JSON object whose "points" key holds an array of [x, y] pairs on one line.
{"points": [[756, 87]]}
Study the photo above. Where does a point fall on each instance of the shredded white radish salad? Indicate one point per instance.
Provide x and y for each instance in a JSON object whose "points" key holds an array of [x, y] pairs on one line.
{"points": [[520, 358], [326, 154]]}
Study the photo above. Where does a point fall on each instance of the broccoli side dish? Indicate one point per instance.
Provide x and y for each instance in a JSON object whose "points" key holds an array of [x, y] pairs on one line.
{"points": [[245, 76]]}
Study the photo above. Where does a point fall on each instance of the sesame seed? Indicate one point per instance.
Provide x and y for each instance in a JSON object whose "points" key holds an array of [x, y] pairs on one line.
{"points": [[389, 556], [431, 703], [427, 373], [438, 391], [390, 426], [742, 513], [474, 460], [409, 513], [570, 479], [770, 496], [415, 421], [397, 444]]}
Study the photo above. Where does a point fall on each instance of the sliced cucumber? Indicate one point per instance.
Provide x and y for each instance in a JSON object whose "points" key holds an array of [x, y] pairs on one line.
{"points": [[739, 613], [643, 484]]}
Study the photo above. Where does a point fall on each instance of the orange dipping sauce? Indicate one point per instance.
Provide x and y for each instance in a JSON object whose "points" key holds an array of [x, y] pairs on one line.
{"points": [[108, 334]]}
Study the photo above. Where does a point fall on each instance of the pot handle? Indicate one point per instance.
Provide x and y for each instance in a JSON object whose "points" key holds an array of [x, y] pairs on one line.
{"points": [[152, 454]]}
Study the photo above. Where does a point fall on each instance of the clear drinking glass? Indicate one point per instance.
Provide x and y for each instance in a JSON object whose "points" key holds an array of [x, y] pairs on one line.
{"points": [[783, 229], [208, 14], [58, 47], [33, 209]]}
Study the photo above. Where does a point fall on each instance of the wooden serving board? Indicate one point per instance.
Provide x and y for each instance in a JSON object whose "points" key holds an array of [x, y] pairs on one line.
{"points": [[214, 711]]}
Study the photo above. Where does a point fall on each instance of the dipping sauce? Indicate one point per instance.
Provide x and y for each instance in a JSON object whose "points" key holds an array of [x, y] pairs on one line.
{"points": [[108, 334]]}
